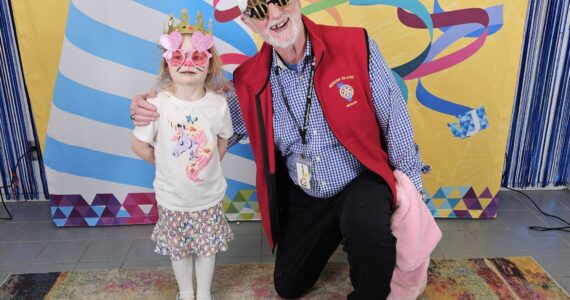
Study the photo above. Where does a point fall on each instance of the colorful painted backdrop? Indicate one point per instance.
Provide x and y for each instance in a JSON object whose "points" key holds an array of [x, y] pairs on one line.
{"points": [[456, 62]]}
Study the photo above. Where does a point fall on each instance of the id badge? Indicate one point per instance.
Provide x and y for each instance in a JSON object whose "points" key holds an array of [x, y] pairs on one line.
{"points": [[303, 173]]}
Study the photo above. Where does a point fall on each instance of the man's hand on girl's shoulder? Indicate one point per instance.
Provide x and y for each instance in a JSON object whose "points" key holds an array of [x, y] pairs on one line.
{"points": [[142, 112]]}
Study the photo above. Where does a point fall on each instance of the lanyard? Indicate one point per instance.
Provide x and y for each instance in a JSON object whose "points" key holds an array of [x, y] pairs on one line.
{"points": [[302, 130]]}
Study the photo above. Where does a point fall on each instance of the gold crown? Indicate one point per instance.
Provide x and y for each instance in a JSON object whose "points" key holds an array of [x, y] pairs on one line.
{"points": [[185, 27]]}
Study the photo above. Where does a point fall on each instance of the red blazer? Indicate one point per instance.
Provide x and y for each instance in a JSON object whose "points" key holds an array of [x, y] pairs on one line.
{"points": [[342, 86]]}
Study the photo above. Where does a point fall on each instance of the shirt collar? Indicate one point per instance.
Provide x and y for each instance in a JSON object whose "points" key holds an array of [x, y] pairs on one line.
{"points": [[277, 62]]}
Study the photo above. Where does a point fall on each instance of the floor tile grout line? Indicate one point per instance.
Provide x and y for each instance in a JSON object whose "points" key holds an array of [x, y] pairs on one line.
{"points": [[127, 255], [84, 251]]}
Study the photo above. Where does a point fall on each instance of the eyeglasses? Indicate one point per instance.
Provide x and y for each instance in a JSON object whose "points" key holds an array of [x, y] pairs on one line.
{"points": [[197, 56], [188, 58], [260, 8]]}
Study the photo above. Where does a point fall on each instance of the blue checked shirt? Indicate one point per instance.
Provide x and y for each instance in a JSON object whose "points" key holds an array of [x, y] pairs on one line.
{"points": [[332, 166]]}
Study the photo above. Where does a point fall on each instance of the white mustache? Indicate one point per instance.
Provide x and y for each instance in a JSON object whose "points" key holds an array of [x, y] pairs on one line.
{"points": [[279, 21]]}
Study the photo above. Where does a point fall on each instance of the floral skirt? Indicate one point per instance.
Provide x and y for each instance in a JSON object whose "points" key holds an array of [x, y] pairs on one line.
{"points": [[179, 234]]}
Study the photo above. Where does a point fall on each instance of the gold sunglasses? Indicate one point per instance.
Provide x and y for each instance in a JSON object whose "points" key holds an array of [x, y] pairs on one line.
{"points": [[260, 8]]}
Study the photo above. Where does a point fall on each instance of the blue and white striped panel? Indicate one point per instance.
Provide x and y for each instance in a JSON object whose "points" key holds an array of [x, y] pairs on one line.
{"points": [[538, 151], [109, 54]]}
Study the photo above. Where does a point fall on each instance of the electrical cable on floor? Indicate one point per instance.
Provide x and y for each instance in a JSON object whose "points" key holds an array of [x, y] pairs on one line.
{"points": [[541, 228], [14, 181]]}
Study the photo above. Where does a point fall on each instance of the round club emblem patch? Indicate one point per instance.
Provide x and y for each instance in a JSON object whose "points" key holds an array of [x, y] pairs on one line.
{"points": [[346, 91]]}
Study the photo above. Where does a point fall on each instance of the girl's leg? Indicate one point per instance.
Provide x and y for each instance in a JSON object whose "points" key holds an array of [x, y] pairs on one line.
{"points": [[183, 273], [204, 273]]}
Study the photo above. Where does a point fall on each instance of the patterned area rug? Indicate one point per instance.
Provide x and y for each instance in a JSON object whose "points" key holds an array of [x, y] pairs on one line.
{"points": [[494, 278]]}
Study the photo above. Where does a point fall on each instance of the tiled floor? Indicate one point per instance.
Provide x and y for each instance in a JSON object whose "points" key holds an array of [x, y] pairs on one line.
{"points": [[31, 243]]}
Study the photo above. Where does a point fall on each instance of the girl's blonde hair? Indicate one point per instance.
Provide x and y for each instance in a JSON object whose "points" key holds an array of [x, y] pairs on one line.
{"points": [[215, 80]]}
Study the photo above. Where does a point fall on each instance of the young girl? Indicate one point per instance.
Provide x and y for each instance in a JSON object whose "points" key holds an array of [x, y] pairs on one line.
{"points": [[187, 143]]}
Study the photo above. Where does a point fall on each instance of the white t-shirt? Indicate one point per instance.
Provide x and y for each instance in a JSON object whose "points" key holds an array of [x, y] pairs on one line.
{"points": [[188, 169]]}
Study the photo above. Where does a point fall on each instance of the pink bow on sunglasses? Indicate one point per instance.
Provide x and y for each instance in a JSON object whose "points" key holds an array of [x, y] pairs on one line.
{"points": [[198, 56]]}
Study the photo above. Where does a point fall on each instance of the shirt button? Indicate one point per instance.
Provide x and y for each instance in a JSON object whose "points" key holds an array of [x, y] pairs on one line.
{"points": [[323, 183], [315, 132], [318, 158]]}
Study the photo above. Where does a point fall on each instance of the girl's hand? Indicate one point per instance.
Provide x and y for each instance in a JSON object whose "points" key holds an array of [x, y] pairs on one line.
{"points": [[142, 112]]}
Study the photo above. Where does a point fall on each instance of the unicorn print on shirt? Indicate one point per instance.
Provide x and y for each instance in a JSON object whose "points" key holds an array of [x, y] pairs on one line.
{"points": [[191, 138]]}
